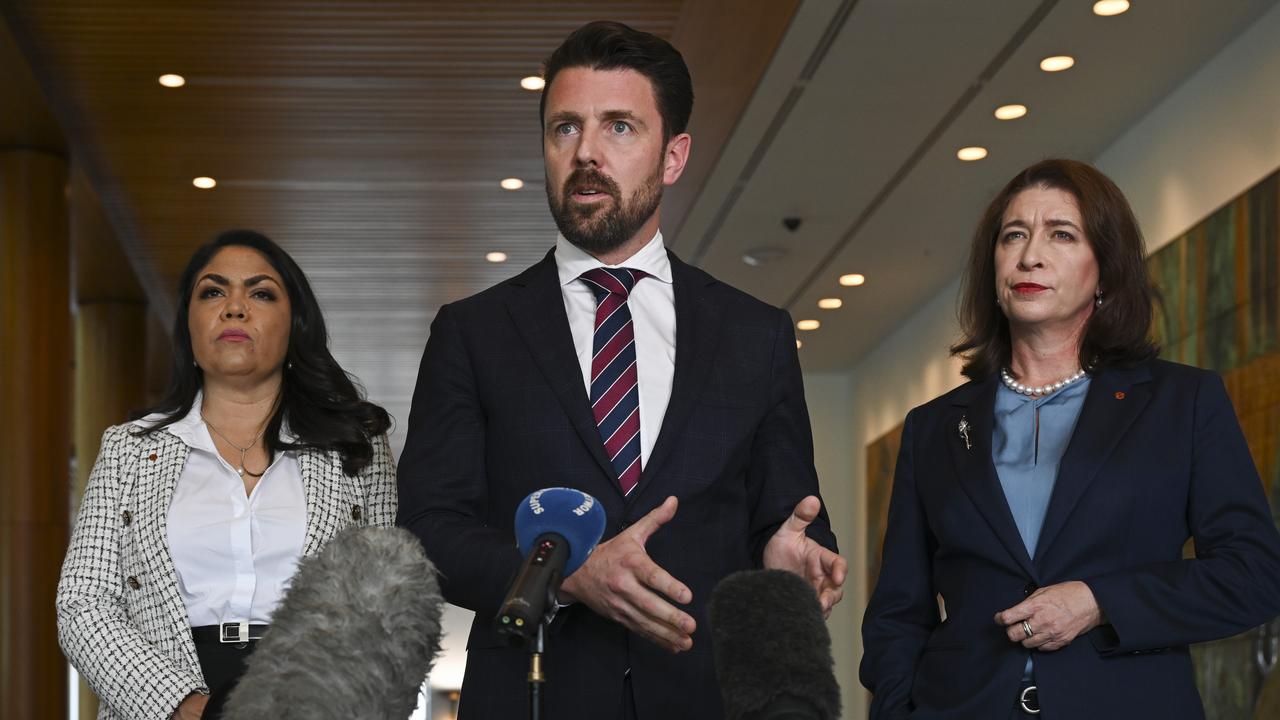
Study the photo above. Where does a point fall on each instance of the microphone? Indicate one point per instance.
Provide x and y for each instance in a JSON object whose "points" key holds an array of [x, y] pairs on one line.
{"points": [[772, 649], [354, 637], [556, 529]]}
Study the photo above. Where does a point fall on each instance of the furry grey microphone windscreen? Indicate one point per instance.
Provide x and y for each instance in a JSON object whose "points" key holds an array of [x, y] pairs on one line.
{"points": [[354, 637], [772, 649]]}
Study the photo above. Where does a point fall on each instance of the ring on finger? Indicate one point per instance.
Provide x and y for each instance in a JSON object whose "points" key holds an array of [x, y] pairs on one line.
{"points": [[1026, 628]]}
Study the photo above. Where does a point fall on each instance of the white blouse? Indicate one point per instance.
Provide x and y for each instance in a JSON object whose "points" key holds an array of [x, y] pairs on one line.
{"points": [[234, 554]]}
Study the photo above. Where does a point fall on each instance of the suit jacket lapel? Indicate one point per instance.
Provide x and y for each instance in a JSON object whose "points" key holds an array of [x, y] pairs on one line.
{"points": [[976, 470], [537, 308], [1115, 399], [697, 333]]}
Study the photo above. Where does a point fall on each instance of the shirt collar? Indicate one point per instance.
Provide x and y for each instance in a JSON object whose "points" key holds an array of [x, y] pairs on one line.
{"points": [[192, 429], [572, 261]]}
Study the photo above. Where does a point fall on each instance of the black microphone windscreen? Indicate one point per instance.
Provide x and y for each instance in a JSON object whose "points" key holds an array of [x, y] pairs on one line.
{"points": [[354, 637], [772, 648]]}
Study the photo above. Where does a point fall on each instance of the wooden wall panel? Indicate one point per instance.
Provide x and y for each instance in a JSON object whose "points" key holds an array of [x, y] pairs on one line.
{"points": [[35, 403]]}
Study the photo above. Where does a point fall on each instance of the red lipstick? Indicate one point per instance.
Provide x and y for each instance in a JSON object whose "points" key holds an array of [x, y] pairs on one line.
{"points": [[1028, 288]]}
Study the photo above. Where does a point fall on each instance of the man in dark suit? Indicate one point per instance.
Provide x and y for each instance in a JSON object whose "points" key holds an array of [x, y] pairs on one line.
{"points": [[612, 367]]}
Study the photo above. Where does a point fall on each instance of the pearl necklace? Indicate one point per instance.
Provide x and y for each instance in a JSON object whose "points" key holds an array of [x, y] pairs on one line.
{"points": [[1021, 389]]}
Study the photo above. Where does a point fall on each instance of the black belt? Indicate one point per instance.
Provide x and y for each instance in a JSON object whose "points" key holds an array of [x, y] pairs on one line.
{"points": [[1029, 700], [230, 632]]}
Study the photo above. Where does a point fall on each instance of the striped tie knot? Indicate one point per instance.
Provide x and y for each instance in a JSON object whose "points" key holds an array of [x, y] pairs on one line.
{"points": [[611, 281]]}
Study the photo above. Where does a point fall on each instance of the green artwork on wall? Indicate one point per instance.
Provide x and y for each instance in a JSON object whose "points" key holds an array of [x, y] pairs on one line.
{"points": [[1220, 290]]}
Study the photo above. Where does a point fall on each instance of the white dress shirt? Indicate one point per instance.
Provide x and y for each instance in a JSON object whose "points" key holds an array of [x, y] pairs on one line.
{"points": [[653, 315], [234, 554]]}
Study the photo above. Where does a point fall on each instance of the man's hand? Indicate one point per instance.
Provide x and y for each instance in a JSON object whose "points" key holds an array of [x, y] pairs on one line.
{"points": [[620, 582], [1056, 615], [790, 549], [192, 707]]}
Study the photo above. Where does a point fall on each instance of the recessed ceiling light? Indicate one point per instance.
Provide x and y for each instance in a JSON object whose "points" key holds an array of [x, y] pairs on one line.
{"points": [[204, 183], [512, 183], [808, 325], [852, 279], [533, 82], [830, 303], [496, 257], [1011, 112], [971, 153], [1057, 63], [172, 81], [1107, 8]]}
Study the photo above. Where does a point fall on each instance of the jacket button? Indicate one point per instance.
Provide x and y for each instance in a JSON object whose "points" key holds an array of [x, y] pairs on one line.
{"points": [[1029, 588], [356, 513], [127, 517], [133, 582]]}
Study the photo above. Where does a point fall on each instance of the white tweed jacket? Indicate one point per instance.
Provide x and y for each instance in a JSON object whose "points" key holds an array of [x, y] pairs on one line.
{"points": [[121, 620]]}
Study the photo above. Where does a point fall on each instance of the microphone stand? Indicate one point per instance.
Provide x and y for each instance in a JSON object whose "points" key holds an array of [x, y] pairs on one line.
{"points": [[537, 647], [536, 677]]}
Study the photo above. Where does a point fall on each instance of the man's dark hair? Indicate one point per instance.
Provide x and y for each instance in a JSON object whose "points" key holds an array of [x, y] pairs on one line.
{"points": [[604, 45], [1119, 331]]}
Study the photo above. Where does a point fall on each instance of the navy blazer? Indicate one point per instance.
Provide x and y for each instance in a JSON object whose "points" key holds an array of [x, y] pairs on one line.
{"points": [[500, 410], [1157, 457]]}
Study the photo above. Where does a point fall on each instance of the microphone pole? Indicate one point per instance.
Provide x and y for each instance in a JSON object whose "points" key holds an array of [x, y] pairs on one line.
{"points": [[536, 677], [537, 647]]}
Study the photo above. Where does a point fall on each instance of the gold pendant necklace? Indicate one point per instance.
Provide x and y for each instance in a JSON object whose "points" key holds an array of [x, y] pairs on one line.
{"points": [[243, 450]]}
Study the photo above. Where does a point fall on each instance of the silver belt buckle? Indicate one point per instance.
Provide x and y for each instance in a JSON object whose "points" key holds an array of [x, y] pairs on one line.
{"points": [[1028, 697], [233, 632]]}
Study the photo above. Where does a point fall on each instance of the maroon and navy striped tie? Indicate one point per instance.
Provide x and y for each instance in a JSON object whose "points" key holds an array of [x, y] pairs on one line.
{"points": [[615, 393]]}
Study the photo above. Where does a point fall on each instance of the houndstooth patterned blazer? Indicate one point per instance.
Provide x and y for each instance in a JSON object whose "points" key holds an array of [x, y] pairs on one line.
{"points": [[121, 620]]}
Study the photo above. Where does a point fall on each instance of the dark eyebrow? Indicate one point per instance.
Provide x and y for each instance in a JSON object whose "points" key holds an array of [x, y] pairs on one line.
{"points": [[606, 116], [611, 115], [562, 116], [250, 282], [1051, 223]]}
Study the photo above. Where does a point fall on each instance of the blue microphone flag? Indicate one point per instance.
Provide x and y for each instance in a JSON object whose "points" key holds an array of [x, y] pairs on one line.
{"points": [[572, 514]]}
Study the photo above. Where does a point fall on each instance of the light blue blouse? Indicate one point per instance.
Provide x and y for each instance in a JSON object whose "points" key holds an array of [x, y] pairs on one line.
{"points": [[1028, 440]]}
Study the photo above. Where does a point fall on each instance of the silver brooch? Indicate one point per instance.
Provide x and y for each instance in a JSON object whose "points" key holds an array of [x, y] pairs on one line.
{"points": [[963, 427]]}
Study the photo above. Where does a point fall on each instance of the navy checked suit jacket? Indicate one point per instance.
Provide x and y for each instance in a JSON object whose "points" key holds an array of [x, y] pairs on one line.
{"points": [[500, 410], [1157, 457]]}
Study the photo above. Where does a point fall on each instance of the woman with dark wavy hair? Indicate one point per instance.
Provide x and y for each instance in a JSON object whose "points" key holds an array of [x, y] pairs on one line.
{"points": [[197, 513], [1033, 556]]}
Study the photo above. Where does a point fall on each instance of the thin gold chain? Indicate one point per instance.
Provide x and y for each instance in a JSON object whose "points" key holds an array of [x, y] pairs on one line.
{"points": [[243, 450]]}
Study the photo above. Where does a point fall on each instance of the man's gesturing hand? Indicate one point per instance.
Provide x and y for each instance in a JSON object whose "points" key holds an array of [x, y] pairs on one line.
{"points": [[621, 582], [790, 549]]}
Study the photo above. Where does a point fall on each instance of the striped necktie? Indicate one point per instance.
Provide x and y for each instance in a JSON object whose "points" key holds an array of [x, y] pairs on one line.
{"points": [[615, 393]]}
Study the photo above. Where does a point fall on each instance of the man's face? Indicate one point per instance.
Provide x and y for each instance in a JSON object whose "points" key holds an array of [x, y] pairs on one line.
{"points": [[606, 162]]}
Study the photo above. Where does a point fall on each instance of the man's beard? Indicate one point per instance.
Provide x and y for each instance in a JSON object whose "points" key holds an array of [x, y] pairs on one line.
{"points": [[598, 230]]}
